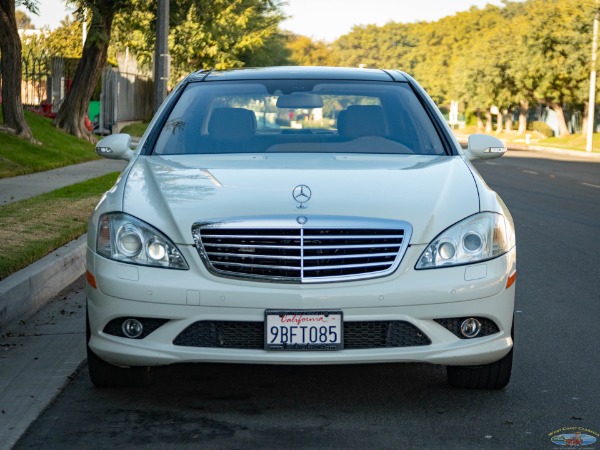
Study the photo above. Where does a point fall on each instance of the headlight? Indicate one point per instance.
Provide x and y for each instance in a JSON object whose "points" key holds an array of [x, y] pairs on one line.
{"points": [[124, 238], [477, 238]]}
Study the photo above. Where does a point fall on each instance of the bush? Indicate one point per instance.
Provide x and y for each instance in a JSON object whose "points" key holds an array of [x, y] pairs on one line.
{"points": [[541, 127]]}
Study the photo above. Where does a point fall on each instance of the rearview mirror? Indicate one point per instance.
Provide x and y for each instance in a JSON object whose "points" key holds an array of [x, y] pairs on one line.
{"points": [[297, 100], [115, 146], [485, 147]]}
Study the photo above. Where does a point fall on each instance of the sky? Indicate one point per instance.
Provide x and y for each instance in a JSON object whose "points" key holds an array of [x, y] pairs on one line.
{"points": [[324, 19]]}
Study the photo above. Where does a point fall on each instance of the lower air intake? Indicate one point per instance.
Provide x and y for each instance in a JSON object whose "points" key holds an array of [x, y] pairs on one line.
{"points": [[250, 335]]}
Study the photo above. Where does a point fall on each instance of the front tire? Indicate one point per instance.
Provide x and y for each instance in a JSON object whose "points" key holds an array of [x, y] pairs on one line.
{"points": [[105, 375], [488, 376]]}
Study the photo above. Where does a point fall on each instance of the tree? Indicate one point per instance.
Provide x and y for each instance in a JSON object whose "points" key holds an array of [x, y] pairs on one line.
{"points": [[23, 20], [10, 49], [360, 47], [65, 40], [487, 82], [72, 113], [306, 52], [273, 52], [520, 54], [219, 34], [555, 64]]}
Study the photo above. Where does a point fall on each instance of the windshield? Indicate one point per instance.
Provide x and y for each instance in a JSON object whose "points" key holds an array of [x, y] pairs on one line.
{"points": [[301, 116]]}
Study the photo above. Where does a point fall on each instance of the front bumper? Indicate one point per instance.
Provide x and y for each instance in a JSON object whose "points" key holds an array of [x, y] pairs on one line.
{"points": [[417, 297]]}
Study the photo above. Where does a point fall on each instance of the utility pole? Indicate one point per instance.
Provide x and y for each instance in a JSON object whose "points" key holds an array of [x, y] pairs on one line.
{"points": [[592, 97], [161, 53]]}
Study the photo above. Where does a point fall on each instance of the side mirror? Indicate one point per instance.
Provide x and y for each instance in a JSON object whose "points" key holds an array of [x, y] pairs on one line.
{"points": [[115, 146], [485, 147]]}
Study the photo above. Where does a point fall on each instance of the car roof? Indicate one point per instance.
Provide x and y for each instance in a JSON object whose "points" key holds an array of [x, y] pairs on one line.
{"points": [[299, 72]]}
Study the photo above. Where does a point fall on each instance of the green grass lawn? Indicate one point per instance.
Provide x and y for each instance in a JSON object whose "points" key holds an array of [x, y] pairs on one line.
{"points": [[572, 142], [32, 228], [135, 129], [58, 149]]}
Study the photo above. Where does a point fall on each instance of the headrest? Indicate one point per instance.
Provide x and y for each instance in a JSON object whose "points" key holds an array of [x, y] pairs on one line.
{"points": [[361, 120], [232, 124]]}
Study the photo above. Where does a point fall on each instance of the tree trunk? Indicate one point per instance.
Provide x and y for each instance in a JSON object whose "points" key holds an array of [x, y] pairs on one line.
{"points": [[499, 122], [74, 109], [560, 116], [508, 124], [10, 50], [479, 120], [488, 121], [584, 119], [524, 108]]}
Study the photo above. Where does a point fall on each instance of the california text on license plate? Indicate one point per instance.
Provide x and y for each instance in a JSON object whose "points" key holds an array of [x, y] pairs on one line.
{"points": [[303, 330]]}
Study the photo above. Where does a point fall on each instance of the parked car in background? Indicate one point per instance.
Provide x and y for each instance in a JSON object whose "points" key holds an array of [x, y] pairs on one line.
{"points": [[300, 215]]}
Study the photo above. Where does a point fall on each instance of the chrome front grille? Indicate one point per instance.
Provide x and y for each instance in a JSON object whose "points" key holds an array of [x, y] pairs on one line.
{"points": [[302, 249]]}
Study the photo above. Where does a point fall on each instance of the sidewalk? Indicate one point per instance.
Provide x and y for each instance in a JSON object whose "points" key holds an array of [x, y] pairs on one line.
{"points": [[38, 357], [26, 186], [556, 151]]}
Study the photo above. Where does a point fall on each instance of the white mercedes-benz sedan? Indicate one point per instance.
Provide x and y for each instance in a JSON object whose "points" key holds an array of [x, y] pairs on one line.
{"points": [[298, 215]]}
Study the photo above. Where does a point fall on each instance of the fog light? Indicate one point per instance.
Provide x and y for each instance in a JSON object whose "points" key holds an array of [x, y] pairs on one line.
{"points": [[470, 328], [132, 328]]}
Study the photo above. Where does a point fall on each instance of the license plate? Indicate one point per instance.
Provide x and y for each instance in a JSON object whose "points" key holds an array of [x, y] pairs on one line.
{"points": [[303, 330]]}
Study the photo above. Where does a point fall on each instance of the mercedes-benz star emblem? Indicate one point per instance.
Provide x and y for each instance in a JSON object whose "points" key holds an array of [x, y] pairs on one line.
{"points": [[301, 194]]}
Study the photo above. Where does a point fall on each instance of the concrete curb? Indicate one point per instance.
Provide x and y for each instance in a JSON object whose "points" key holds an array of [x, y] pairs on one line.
{"points": [[26, 291]]}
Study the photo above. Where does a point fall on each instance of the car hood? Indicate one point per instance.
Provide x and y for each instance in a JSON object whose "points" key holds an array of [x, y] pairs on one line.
{"points": [[173, 192]]}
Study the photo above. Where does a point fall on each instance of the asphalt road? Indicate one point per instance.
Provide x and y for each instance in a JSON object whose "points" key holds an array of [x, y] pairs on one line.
{"points": [[556, 206]]}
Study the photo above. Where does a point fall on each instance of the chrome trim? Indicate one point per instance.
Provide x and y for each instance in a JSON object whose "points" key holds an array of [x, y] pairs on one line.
{"points": [[291, 258], [345, 266], [374, 255], [297, 238], [287, 247]]}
